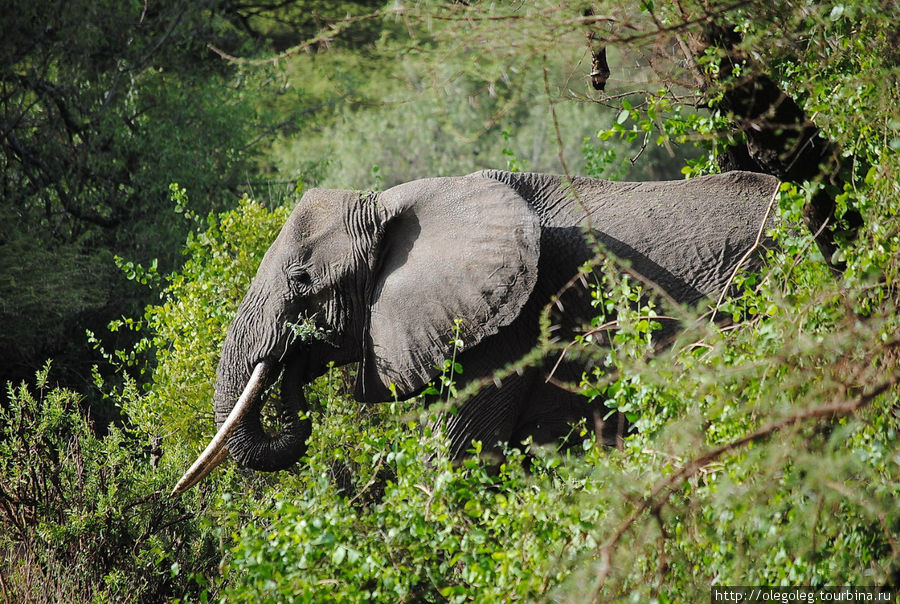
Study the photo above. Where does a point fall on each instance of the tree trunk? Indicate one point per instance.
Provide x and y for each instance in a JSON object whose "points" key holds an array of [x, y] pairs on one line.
{"points": [[780, 140]]}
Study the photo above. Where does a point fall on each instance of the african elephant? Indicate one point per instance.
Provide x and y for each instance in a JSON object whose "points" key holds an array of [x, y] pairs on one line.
{"points": [[381, 277]]}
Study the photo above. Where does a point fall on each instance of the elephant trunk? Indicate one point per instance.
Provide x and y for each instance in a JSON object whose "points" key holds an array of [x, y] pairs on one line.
{"points": [[249, 443], [240, 427]]}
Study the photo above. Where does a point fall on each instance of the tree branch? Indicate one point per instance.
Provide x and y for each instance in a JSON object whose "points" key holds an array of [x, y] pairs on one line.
{"points": [[666, 487]]}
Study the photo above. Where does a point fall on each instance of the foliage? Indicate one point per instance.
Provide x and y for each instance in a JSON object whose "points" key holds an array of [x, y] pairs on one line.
{"points": [[380, 110], [437, 533], [84, 518], [103, 105], [185, 330], [763, 445]]}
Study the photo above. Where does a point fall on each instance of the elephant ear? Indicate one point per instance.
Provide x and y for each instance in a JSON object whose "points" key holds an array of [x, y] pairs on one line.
{"points": [[450, 249]]}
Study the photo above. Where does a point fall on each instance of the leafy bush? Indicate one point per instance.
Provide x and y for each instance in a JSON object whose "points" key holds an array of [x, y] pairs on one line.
{"points": [[764, 448], [104, 105], [86, 518], [183, 333]]}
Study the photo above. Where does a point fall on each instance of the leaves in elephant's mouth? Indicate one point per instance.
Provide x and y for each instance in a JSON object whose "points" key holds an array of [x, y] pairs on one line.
{"points": [[306, 331]]}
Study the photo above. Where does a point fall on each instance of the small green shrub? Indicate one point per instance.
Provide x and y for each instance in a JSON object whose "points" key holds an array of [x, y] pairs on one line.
{"points": [[182, 334], [87, 518]]}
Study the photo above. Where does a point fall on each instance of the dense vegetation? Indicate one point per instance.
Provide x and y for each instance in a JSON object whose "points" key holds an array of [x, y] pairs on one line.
{"points": [[765, 447]]}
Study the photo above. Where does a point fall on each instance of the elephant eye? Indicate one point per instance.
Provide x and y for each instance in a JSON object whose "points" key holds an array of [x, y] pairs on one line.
{"points": [[300, 278]]}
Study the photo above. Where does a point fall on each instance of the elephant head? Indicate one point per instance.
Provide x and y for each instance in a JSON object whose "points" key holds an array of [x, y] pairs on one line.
{"points": [[371, 278]]}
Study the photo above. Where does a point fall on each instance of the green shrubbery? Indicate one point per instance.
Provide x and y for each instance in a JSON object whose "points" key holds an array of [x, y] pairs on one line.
{"points": [[86, 518], [765, 448], [185, 329]]}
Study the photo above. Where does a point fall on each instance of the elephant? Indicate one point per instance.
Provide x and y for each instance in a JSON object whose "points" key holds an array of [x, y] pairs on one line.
{"points": [[387, 280]]}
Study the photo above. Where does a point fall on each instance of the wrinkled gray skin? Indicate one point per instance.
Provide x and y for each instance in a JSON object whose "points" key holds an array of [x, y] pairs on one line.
{"points": [[385, 275]]}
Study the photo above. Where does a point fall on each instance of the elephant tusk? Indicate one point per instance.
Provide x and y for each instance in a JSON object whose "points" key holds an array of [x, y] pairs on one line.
{"points": [[216, 451]]}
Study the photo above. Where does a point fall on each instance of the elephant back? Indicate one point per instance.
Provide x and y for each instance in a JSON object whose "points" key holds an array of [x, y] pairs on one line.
{"points": [[685, 236]]}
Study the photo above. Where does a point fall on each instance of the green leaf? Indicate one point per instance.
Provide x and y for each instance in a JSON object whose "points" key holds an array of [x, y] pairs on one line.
{"points": [[338, 556]]}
